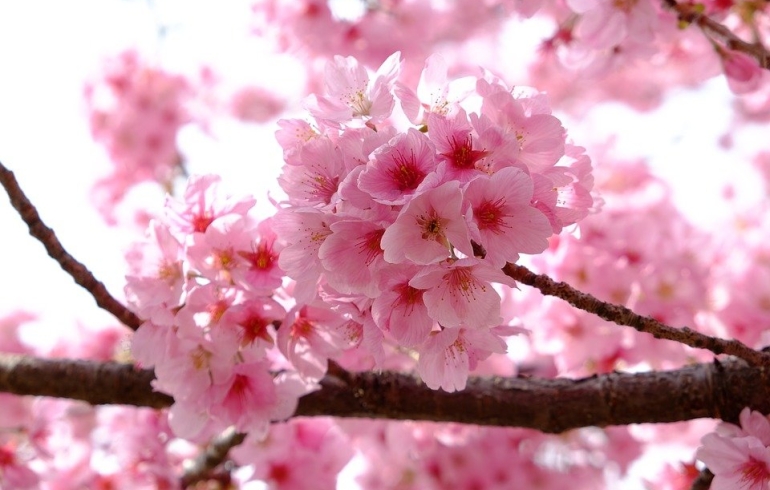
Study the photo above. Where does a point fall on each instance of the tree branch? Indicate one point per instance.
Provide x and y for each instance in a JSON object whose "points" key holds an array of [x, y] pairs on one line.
{"points": [[624, 316], [53, 246], [691, 13], [98, 383], [214, 454], [718, 390]]}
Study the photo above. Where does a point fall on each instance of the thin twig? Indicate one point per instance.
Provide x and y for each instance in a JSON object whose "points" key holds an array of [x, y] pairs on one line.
{"points": [[624, 316], [690, 13], [47, 237], [212, 456]]}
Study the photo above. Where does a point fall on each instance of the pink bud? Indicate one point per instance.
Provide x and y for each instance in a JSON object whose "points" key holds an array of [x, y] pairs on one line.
{"points": [[742, 71]]}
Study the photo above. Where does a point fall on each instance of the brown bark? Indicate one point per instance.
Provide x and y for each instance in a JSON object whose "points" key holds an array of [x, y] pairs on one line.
{"points": [[718, 390]]}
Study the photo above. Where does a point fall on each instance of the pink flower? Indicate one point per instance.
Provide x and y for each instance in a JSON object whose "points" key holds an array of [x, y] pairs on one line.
{"points": [[254, 319], [155, 285], [457, 146], [314, 180], [459, 292], [428, 228], [214, 253], [304, 230], [293, 135], [399, 169], [736, 462], [399, 309], [743, 73], [435, 94], [448, 356], [308, 337], [540, 136], [739, 457], [506, 221], [188, 367], [203, 203], [247, 398], [352, 94], [261, 273], [353, 257]]}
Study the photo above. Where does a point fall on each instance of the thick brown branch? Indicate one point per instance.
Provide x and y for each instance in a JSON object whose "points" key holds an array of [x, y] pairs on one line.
{"points": [[47, 237], [550, 405], [624, 316]]}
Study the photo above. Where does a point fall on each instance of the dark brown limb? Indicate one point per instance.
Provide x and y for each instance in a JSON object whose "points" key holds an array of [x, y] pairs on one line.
{"points": [[718, 390]]}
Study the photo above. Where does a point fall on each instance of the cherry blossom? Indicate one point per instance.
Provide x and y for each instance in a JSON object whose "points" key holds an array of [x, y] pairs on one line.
{"points": [[460, 293], [507, 222], [351, 93], [739, 458], [448, 356], [400, 169], [428, 228]]}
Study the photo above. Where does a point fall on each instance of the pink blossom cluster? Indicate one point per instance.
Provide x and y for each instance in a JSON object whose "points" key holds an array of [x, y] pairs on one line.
{"points": [[371, 31], [430, 456], [300, 454], [135, 110], [629, 50], [393, 241], [56, 444], [205, 283], [409, 229], [225, 341], [739, 456], [622, 38], [740, 293]]}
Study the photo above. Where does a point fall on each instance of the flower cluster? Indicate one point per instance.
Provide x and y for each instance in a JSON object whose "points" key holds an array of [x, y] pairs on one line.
{"points": [[393, 240], [135, 110], [409, 228], [430, 456], [204, 283]]}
